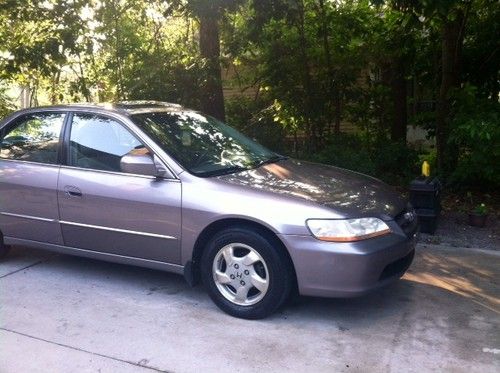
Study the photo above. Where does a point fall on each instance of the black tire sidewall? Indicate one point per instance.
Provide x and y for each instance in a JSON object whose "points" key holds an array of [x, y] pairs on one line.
{"points": [[277, 266], [4, 250]]}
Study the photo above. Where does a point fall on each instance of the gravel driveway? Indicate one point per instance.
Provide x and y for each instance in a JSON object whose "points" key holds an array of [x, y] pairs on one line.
{"points": [[454, 230]]}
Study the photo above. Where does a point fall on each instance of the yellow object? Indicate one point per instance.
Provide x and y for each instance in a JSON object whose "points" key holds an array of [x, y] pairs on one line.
{"points": [[426, 169]]}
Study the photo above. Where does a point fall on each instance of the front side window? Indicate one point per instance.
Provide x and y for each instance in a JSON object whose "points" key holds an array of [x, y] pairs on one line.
{"points": [[33, 138], [99, 143]]}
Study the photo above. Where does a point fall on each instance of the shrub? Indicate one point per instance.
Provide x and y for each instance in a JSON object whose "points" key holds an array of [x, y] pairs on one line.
{"points": [[256, 120], [346, 151], [476, 134], [392, 162], [395, 163]]}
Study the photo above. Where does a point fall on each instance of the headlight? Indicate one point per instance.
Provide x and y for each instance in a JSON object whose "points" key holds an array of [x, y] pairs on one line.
{"points": [[347, 230]]}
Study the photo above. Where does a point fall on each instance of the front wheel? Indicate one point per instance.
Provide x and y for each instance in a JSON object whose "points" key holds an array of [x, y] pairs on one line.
{"points": [[245, 274], [4, 249]]}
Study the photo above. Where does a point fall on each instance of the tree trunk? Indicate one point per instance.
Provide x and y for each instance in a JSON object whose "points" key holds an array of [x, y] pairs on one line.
{"points": [[213, 97], [399, 99], [452, 34], [310, 125], [83, 81], [53, 89], [333, 88], [117, 53], [338, 111]]}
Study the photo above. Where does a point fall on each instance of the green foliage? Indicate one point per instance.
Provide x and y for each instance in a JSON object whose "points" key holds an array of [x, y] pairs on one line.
{"points": [[307, 56], [369, 110], [392, 162], [94, 51], [396, 163], [481, 52], [347, 151], [305, 66], [481, 209], [476, 133], [256, 120], [6, 105]]}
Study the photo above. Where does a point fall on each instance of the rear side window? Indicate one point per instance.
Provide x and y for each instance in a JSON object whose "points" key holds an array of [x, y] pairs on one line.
{"points": [[33, 138], [99, 143]]}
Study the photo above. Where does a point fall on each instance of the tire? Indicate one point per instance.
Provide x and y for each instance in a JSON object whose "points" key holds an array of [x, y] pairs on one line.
{"points": [[246, 275], [4, 249]]}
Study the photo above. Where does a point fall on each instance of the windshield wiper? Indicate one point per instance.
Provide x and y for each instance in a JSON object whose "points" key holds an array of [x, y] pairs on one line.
{"points": [[223, 171], [234, 169], [273, 159]]}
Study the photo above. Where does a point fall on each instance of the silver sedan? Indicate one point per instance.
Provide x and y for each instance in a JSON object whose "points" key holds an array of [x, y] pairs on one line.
{"points": [[160, 186]]}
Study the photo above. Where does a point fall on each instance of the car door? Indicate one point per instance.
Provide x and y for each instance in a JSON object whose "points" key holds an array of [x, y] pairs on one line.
{"points": [[106, 210], [29, 169]]}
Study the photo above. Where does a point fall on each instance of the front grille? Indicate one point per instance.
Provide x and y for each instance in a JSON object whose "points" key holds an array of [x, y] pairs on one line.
{"points": [[397, 267]]}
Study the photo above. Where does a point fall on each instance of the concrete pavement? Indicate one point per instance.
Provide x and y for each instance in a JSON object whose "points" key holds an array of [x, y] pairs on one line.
{"points": [[67, 314]]}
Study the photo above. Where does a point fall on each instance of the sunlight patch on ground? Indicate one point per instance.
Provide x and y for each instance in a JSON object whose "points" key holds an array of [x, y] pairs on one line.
{"points": [[458, 275]]}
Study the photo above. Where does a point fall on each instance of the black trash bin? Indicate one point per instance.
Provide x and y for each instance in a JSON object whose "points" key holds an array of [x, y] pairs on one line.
{"points": [[427, 220], [425, 196]]}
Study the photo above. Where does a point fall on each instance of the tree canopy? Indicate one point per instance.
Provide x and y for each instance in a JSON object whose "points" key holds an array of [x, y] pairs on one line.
{"points": [[296, 74]]}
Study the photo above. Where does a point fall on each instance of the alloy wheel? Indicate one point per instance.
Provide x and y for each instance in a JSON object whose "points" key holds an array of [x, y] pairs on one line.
{"points": [[240, 274]]}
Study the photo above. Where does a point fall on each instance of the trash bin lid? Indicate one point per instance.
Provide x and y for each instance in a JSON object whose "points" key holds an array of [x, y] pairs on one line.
{"points": [[425, 184]]}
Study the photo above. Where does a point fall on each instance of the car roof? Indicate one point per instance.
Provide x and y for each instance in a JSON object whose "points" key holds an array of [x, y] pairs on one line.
{"points": [[133, 107], [122, 107]]}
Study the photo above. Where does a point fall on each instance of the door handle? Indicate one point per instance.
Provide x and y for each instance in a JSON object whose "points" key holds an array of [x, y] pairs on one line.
{"points": [[72, 191]]}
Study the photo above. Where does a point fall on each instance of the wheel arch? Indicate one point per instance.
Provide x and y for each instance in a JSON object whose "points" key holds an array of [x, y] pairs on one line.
{"points": [[192, 267]]}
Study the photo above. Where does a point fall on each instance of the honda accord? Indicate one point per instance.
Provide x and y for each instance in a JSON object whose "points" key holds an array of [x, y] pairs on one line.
{"points": [[157, 185]]}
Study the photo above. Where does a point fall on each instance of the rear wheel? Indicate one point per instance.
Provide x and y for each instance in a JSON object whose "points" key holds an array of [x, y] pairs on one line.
{"points": [[245, 274]]}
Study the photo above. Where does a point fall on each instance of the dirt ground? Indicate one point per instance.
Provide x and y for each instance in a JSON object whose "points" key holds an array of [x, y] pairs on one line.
{"points": [[453, 230]]}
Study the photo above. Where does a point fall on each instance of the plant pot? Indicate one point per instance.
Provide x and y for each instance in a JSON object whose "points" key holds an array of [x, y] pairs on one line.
{"points": [[477, 220]]}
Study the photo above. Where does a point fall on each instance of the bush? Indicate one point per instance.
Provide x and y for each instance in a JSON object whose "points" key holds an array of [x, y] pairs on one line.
{"points": [[346, 151], [392, 162], [476, 134], [396, 163], [256, 120]]}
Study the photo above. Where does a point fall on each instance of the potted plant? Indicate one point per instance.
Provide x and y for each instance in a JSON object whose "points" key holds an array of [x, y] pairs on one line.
{"points": [[478, 216]]}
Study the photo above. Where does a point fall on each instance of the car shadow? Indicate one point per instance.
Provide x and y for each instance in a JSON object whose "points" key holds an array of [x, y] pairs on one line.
{"points": [[445, 282], [452, 280]]}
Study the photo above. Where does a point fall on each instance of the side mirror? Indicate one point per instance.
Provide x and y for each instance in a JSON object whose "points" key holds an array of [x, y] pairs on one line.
{"points": [[140, 164], [143, 164]]}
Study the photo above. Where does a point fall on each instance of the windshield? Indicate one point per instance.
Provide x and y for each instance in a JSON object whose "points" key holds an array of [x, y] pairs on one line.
{"points": [[201, 144]]}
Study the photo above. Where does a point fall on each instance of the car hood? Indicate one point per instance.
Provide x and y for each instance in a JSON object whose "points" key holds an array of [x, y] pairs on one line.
{"points": [[348, 193]]}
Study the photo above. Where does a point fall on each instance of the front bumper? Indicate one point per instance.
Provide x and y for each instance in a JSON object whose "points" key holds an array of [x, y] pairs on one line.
{"points": [[329, 269]]}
